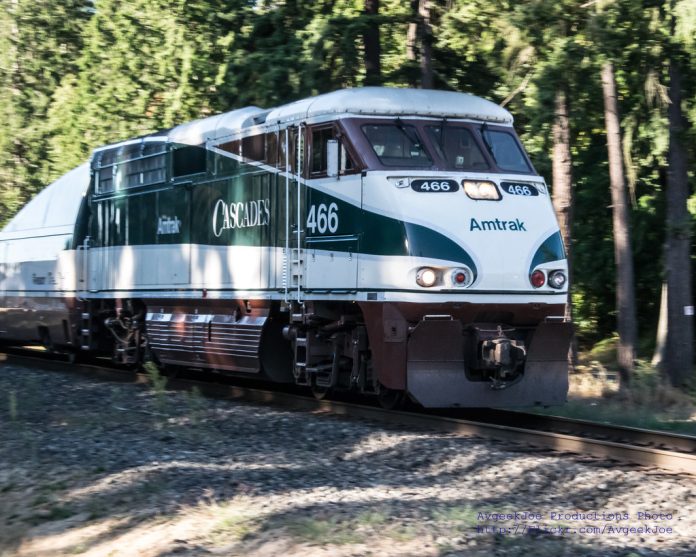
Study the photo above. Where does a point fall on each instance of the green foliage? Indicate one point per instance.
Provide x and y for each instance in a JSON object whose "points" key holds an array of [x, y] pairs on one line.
{"points": [[147, 65], [650, 401], [39, 42], [157, 381], [158, 384]]}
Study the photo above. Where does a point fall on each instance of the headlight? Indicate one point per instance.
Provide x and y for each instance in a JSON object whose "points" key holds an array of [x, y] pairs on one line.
{"points": [[426, 277], [476, 189], [557, 279]]}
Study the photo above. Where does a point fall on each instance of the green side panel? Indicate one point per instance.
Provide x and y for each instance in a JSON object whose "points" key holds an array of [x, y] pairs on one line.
{"points": [[173, 222], [142, 221], [425, 242], [238, 211], [378, 235], [155, 217], [382, 235], [550, 250], [233, 203]]}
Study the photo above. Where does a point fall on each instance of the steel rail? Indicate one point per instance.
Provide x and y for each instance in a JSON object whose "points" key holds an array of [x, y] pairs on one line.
{"points": [[626, 452], [583, 428], [558, 442]]}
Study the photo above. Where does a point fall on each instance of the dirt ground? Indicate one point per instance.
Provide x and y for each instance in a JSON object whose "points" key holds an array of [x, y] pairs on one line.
{"points": [[94, 468]]}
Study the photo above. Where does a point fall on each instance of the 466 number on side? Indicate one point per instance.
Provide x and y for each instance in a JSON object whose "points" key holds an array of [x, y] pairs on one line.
{"points": [[322, 218]]}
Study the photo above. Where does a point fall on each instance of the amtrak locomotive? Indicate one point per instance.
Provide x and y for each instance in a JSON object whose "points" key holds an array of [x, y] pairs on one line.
{"points": [[396, 242]]}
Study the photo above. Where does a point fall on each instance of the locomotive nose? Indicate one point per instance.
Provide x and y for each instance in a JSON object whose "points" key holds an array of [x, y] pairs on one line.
{"points": [[511, 231]]}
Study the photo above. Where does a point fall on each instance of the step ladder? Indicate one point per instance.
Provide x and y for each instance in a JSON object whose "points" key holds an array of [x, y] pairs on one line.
{"points": [[300, 369], [85, 331]]}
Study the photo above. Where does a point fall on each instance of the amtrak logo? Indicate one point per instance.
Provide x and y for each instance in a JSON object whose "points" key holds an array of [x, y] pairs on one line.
{"points": [[228, 216], [168, 225], [516, 225]]}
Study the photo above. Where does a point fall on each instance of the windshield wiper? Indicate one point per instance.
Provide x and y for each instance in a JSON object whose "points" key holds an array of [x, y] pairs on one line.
{"points": [[484, 129], [442, 133], [407, 132]]}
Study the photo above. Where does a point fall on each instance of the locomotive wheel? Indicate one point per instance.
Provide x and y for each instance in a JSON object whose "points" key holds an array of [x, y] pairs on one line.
{"points": [[391, 399]]}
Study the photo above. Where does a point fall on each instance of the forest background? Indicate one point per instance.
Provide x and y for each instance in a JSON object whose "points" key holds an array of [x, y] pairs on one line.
{"points": [[75, 74]]}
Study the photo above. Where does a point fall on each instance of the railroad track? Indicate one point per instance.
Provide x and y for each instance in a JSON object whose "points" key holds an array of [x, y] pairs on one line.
{"points": [[663, 450], [595, 430]]}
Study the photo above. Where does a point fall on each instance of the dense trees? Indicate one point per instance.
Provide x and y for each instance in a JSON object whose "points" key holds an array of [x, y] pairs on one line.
{"points": [[40, 42], [78, 73], [623, 254]]}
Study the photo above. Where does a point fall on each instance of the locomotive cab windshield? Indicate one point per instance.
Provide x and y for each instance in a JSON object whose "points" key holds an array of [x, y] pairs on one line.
{"points": [[443, 145], [397, 145], [505, 150], [458, 147]]}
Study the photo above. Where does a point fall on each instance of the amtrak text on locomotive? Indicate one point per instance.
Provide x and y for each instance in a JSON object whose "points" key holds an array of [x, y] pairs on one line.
{"points": [[168, 225], [514, 225]]}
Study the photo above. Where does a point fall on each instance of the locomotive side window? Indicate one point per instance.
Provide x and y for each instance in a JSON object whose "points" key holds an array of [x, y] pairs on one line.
{"points": [[397, 145], [319, 161], [458, 147], [505, 150], [319, 139], [346, 164]]}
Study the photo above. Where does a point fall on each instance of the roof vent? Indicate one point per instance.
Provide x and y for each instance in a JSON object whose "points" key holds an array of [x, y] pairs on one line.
{"points": [[256, 119]]}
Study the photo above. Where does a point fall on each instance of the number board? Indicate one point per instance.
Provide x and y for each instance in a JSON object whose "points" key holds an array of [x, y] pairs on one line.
{"points": [[428, 186], [515, 188]]}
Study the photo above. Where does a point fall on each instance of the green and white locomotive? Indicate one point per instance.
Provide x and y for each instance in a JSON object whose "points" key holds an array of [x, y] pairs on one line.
{"points": [[390, 241]]}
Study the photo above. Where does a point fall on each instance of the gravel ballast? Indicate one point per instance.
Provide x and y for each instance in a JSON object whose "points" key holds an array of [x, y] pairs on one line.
{"points": [[98, 468]]}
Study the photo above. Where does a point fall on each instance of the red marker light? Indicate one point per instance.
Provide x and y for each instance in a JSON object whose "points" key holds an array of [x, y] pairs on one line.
{"points": [[461, 278], [537, 279]]}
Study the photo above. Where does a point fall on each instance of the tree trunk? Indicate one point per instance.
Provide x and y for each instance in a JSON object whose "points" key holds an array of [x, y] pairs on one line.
{"points": [[660, 353], [412, 41], [412, 33], [373, 69], [426, 61], [562, 170], [625, 294], [562, 178], [419, 40], [680, 333]]}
